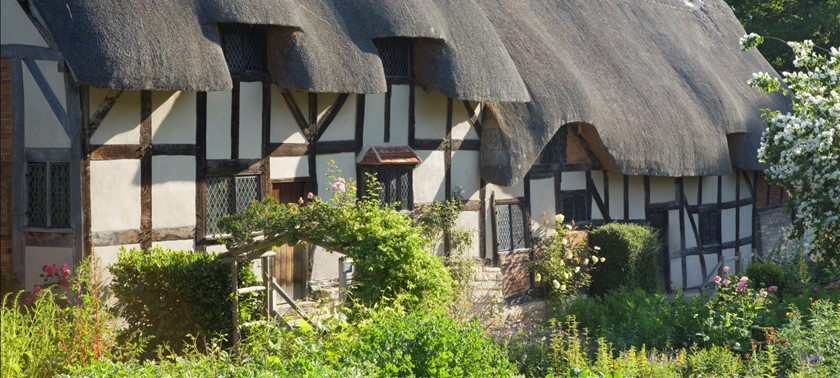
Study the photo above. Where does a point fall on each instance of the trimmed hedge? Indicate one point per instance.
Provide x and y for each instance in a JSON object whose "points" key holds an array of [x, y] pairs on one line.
{"points": [[763, 275], [631, 252], [170, 295]]}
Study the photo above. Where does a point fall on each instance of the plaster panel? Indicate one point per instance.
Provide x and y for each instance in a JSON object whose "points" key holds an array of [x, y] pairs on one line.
{"points": [[616, 194], [673, 230], [693, 272], [746, 256], [15, 26], [636, 196], [288, 167], [122, 124], [575, 180], [745, 189], [343, 126], [506, 192], [598, 180], [284, 128], [691, 186], [43, 129], [542, 201], [173, 191], [115, 195], [662, 189], [728, 187], [173, 117], [461, 127], [469, 221], [346, 163], [218, 125], [250, 120], [690, 239], [108, 256], [729, 258], [176, 245], [710, 189], [464, 171], [676, 274], [429, 114], [374, 130], [324, 264], [746, 220], [399, 114], [428, 177], [37, 257], [727, 222]]}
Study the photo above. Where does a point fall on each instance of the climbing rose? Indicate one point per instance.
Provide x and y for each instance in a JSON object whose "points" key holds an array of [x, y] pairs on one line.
{"points": [[726, 269], [773, 288], [717, 280], [338, 185], [65, 270]]}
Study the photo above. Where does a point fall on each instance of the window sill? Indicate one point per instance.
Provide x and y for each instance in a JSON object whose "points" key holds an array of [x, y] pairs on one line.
{"points": [[51, 230], [515, 251]]}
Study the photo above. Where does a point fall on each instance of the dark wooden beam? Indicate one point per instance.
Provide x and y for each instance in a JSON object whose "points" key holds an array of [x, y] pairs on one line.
{"points": [[626, 194], [87, 241], [200, 171], [594, 195], [234, 120], [17, 51], [103, 110], [387, 122], [360, 122], [146, 169], [18, 167], [412, 127], [226, 167], [482, 220], [265, 140]]}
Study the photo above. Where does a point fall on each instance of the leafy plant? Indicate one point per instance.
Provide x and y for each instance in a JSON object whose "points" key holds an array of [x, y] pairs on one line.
{"points": [[563, 261], [763, 275], [630, 251]]}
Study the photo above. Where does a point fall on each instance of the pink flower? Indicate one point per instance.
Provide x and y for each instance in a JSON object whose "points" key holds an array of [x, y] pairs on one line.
{"points": [[36, 289], [744, 279], [50, 269], [338, 185], [773, 288], [65, 270], [763, 293], [726, 269], [63, 282], [717, 280], [726, 282], [741, 286]]}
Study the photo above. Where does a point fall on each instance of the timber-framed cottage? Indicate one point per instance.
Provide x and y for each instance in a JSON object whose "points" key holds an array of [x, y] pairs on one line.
{"points": [[139, 123]]}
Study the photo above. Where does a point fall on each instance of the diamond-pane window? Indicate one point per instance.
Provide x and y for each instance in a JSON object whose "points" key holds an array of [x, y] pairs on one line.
{"points": [[396, 56], [555, 151], [510, 227], [574, 205], [396, 185], [48, 194], [244, 47], [229, 195], [710, 227]]}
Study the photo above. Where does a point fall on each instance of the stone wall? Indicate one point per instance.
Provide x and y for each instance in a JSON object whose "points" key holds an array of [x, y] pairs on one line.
{"points": [[6, 273], [516, 272], [770, 226]]}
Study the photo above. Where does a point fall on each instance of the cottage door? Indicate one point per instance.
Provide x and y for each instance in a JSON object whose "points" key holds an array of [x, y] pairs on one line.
{"points": [[291, 262], [659, 221]]}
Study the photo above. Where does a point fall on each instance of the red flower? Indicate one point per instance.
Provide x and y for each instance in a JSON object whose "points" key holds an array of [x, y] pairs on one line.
{"points": [[65, 270], [63, 282]]}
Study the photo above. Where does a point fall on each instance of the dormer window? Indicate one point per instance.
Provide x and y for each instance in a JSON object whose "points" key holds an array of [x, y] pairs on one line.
{"points": [[244, 47], [396, 55], [555, 151]]}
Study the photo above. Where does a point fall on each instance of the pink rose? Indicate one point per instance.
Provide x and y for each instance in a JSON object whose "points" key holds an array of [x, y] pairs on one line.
{"points": [[338, 185], [744, 279], [36, 289], [773, 289], [65, 270], [50, 269], [741, 286], [726, 282], [726, 269], [717, 280]]}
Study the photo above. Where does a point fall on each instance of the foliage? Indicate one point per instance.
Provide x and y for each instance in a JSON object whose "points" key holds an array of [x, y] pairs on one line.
{"points": [[715, 361], [563, 261], [168, 295], [802, 148], [789, 20], [387, 249], [631, 251], [812, 344], [59, 325], [763, 275]]}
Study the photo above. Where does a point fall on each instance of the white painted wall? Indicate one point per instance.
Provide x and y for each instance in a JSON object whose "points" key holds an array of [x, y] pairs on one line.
{"points": [[173, 117], [122, 124], [399, 115], [636, 196], [470, 220], [464, 169], [573, 180], [15, 26], [250, 120], [691, 186], [676, 274], [37, 257], [542, 202], [728, 187], [288, 167], [176, 245], [374, 129], [746, 221], [727, 222], [429, 114], [673, 230], [662, 189], [461, 127], [690, 239], [108, 255], [343, 126], [428, 177], [284, 128], [115, 195], [505, 192], [345, 162], [43, 129], [616, 195], [218, 125], [710, 185], [173, 191]]}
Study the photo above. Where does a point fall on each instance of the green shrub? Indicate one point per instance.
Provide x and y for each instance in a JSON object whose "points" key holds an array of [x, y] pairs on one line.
{"points": [[631, 251], [563, 261], [763, 275], [716, 361], [168, 295]]}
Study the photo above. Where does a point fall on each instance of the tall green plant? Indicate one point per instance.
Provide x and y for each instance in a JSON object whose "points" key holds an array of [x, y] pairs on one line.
{"points": [[563, 261], [631, 251]]}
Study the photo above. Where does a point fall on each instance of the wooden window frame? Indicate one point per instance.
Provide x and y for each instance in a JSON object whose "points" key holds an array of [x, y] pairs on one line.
{"points": [[232, 207], [525, 243], [49, 188], [409, 170], [575, 194]]}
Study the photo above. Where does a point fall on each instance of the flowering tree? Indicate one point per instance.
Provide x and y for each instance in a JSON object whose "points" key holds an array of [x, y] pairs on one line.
{"points": [[802, 148]]}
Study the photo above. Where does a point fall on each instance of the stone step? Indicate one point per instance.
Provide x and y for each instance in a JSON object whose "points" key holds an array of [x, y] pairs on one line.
{"points": [[486, 284], [488, 277]]}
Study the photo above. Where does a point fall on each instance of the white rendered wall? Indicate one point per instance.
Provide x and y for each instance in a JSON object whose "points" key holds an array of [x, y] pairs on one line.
{"points": [[343, 126], [727, 222], [636, 197], [115, 195], [108, 255], [122, 124], [691, 186], [505, 192], [662, 189], [250, 120], [429, 114], [43, 129], [176, 245], [575, 180], [598, 180], [542, 202], [37, 257], [429, 177], [345, 162], [284, 128], [374, 126], [288, 167], [399, 115], [173, 191], [464, 170], [616, 193], [15, 26], [173, 117], [218, 125], [461, 127]]}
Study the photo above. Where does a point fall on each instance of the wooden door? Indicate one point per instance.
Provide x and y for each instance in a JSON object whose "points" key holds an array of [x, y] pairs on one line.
{"points": [[291, 262]]}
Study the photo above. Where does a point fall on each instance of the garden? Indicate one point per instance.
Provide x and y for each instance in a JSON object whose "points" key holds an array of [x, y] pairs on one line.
{"points": [[170, 313]]}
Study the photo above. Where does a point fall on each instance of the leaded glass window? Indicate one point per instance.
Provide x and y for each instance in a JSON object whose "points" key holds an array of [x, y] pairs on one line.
{"points": [[48, 194], [574, 205], [229, 195], [710, 227], [396, 185], [244, 47], [396, 56], [510, 227], [555, 151]]}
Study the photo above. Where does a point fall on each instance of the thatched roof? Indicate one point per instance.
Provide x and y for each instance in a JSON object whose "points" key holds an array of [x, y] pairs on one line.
{"points": [[662, 82], [657, 85]]}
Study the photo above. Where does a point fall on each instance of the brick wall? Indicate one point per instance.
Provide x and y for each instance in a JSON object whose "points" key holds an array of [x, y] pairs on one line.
{"points": [[770, 227], [768, 195], [5, 170], [515, 272]]}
